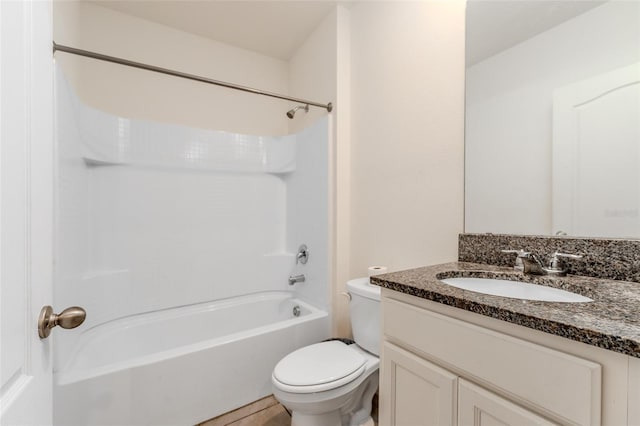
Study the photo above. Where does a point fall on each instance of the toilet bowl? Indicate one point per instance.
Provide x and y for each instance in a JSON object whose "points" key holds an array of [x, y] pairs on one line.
{"points": [[332, 383]]}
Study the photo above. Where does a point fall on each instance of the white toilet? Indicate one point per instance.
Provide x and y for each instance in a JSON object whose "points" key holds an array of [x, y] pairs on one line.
{"points": [[332, 383]]}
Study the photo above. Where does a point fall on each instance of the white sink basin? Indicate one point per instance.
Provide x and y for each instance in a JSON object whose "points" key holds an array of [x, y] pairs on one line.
{"points": [[515, 289]]}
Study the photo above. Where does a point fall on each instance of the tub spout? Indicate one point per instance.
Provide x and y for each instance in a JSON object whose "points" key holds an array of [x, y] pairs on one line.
{"points": [[296, 279]]}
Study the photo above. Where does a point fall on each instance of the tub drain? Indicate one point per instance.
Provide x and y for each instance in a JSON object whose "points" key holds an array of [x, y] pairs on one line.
{"points": [[296, 311]]}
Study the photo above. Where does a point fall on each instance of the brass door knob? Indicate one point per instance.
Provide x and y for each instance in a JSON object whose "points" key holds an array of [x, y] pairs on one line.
{"points": [[69, 318]]}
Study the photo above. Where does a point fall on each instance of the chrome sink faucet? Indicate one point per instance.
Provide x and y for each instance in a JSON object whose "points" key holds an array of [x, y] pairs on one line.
{"points": [[532, 265]]}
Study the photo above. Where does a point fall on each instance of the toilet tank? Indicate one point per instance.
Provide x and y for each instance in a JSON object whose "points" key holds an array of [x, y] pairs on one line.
{"points": [[364, 308]]}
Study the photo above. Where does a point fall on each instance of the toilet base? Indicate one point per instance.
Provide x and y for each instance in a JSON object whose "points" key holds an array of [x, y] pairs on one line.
{"points": [[353, 407], [368, 422], [327, 419]]}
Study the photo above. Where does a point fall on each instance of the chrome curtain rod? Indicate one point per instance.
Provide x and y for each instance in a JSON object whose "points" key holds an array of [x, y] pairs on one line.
{"points": [[113, 59]]}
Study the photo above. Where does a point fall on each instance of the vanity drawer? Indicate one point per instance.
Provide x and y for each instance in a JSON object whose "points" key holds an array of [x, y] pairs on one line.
{"points": [[562, 385]]}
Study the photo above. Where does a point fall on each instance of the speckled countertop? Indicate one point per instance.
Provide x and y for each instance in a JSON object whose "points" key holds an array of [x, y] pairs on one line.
{"points": [[611, 321]]}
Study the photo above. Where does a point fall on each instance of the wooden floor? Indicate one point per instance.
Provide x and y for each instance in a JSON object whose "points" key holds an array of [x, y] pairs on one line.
{"points": [[264, 412]]}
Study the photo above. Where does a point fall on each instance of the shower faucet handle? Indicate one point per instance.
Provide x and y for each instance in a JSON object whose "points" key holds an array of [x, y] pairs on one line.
{"points": [[303, 255]]}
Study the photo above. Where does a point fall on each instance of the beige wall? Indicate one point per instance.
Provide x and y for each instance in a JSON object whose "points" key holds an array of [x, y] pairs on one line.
{"points": [[146, 95], [342, 177], [407, 88], [395, 71], [312, 72]]}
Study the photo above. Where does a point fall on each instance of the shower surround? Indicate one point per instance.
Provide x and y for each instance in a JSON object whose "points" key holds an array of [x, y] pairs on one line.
{"points": [[155, 220]]}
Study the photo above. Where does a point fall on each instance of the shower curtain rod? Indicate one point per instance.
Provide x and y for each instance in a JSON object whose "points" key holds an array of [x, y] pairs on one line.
{"points": [[115, 60]]}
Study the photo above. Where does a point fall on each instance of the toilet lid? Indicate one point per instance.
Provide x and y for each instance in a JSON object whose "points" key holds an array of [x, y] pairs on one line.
{"points": [[322, 366]]}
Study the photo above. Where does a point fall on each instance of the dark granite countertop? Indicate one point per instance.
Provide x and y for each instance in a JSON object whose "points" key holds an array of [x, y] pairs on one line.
{"points": [[611, 321]]}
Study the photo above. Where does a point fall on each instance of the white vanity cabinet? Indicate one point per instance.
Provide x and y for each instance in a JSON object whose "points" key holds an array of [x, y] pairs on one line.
{"points": [[479, 407], [419, 392], [446, 366]]}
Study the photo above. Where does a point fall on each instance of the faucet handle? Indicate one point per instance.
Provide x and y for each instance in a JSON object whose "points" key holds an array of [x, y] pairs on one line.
{"points": [[520, 253], [303, 254], [569, 255], [554, 258]]}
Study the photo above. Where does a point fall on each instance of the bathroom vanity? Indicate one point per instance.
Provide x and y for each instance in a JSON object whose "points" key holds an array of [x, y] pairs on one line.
{"points": [[453, 356]]}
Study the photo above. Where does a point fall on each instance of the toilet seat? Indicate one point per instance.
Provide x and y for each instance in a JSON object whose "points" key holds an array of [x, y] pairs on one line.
{"points": [[320, 367]]}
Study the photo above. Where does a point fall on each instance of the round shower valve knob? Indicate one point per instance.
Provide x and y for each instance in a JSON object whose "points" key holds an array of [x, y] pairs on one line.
{"points": [[69, 318], [303, 254]]}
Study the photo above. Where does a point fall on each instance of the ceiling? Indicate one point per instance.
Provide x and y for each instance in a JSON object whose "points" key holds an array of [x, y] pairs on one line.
{"points": [[278, 28], [496, 25], [272, 28]]}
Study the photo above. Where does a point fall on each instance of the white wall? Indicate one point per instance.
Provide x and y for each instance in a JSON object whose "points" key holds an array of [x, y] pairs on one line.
{"points": [[407, 94], [308, 212], [509, 112], [152, 215], [142, 94]]}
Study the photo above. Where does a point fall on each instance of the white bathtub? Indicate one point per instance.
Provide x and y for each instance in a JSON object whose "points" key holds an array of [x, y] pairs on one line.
{"points": [[181, 366]]}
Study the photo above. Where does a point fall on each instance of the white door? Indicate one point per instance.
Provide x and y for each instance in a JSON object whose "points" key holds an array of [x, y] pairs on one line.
{"points": [[26, 210], [596, 156]]}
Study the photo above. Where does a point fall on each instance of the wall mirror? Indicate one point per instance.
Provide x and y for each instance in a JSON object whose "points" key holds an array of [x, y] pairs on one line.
{"points": [[552, 127]]}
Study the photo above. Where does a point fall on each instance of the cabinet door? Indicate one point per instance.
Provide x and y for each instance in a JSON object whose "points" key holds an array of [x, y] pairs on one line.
{"points": [[479, 407], [414, 392]]}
